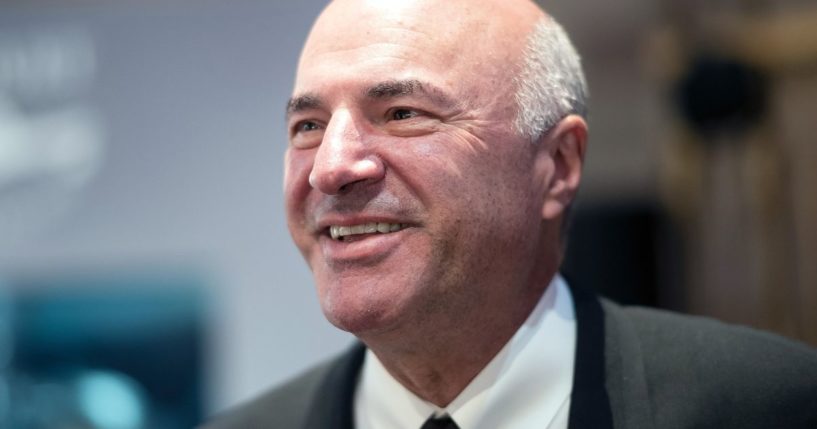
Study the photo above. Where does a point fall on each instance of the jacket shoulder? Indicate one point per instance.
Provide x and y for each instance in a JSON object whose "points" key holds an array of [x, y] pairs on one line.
{"points": [[704, 371], [284, 406]]}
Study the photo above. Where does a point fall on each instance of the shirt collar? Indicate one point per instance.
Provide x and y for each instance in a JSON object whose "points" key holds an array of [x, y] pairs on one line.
{"points": [[524, 385]]}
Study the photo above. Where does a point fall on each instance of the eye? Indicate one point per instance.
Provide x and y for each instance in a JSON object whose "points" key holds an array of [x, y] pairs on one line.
{"points": [[306, 134], [305, 126], [402, 114]]}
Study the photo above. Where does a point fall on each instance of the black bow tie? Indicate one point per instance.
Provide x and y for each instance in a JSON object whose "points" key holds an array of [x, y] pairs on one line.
{"points": [[444, 422]]}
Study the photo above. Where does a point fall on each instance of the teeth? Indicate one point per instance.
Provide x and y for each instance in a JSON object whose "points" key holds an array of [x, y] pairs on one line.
{"points": [[338, 232]]}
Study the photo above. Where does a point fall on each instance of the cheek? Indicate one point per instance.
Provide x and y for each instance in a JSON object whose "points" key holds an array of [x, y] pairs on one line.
{"points": [[434, 167], [297, 167]]}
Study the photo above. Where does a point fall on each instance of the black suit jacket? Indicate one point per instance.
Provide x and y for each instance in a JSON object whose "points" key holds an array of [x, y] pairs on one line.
{"points": [[635, 368]]}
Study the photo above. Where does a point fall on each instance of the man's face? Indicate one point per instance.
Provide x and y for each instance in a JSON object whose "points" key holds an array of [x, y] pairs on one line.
{"points": [[407, 190]]}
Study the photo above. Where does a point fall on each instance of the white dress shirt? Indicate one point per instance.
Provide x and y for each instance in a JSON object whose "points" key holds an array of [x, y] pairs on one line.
{"points": [[526, 385]]}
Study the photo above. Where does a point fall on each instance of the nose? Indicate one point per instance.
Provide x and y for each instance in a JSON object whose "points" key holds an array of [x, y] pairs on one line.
{"points": [[343, 160]]}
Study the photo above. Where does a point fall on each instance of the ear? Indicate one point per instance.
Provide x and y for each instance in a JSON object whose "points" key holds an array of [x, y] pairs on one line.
{"points": [[561, 153]]}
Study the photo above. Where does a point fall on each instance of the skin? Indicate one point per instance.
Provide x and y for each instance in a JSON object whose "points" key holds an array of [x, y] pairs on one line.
{"points": [[403, 112]]}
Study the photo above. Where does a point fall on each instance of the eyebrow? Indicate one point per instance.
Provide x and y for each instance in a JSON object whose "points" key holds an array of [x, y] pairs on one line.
{"points": [[407, 87], [303, 102], [379, 91]]}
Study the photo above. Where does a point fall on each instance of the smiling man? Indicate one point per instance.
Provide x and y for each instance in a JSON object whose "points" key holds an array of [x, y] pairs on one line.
{"points": [[434, 151]]}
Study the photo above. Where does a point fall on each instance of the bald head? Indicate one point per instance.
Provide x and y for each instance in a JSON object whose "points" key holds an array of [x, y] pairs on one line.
{"points": [[487, 27]]}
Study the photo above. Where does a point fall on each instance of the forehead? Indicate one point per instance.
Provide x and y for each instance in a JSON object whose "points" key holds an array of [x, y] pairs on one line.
{"points": [[354, 41], [351, 24], [387, 49]]}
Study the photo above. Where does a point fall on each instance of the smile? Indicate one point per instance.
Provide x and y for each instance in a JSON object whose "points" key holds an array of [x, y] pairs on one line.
{"points": [[338, 232]]}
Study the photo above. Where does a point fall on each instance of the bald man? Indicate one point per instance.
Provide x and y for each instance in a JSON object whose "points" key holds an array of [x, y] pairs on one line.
{"points": [[435, 148]]}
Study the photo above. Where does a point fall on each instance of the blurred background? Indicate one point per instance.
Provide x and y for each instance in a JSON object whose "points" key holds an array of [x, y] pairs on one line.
{"points": [[147, 279]]}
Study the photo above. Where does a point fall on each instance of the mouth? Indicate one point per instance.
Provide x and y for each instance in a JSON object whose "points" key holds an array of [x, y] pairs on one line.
{"points": [[347, 233]]}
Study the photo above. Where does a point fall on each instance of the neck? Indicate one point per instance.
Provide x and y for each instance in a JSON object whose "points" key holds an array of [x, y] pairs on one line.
{"points": [[436, 361]]}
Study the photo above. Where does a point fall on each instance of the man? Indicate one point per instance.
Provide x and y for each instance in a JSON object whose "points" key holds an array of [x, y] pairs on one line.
{"points": [[435, 149]]}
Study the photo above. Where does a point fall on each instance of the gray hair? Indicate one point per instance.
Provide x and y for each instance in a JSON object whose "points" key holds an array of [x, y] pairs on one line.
{"points": [[551, 84]]}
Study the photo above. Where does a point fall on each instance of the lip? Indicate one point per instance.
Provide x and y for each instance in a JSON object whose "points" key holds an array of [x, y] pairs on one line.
{"points": [[367, 250]]}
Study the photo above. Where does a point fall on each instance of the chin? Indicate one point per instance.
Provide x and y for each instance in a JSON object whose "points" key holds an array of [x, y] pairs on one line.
{"points": [[356, 320], [359, 309], [370, 300]]}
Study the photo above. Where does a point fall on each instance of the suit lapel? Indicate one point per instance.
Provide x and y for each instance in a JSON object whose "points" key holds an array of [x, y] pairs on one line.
{"points": [[333, 403], [589, 402], [625, 371]]}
